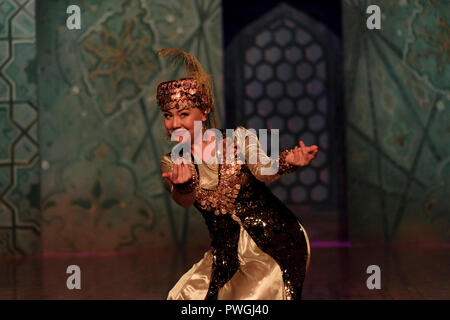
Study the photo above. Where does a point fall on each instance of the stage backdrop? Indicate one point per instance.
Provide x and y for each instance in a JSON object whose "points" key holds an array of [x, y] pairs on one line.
{"points": [[101, 135], [397, 83], [81, 136]]}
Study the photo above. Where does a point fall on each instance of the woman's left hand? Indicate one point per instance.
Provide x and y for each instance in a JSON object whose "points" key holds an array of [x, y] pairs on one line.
{"points": [[303, 155]]}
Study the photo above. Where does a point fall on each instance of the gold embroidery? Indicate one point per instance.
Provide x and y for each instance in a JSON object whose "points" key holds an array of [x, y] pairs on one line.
{"points": [[221, 200]]}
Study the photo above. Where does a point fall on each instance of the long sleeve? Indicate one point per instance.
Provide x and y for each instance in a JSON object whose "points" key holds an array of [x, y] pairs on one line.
{"points": [[183, 194], [259, 163], [166, 166]]}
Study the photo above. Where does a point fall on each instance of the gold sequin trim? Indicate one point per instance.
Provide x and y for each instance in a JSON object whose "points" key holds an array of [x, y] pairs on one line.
{"points": [[182, 93], [222, 199]]}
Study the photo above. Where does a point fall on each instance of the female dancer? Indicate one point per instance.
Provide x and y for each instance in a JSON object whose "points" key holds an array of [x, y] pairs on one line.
{"points": [[259, 249]]}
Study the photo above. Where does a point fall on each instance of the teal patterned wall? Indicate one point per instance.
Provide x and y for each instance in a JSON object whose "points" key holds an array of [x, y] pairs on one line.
{"points": [[101, 133], [20, 225], [397, 88], [89, 159]]}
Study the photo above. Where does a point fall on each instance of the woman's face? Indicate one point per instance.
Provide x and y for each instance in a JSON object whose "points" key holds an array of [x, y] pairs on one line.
{"points": [[183, 119]]}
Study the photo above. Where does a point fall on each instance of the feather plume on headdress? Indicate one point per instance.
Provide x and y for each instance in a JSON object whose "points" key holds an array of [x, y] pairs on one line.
{"points": [[193, 68]]}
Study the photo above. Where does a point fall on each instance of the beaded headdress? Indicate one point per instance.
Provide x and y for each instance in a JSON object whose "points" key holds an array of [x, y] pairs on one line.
{"points": [[193, 91]]}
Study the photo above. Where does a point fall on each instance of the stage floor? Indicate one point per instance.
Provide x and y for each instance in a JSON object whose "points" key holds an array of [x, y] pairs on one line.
{"points": [[336, 272]]}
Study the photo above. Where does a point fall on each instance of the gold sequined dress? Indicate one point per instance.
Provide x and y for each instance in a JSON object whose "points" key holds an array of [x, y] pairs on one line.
{"points": [[259, 250]]}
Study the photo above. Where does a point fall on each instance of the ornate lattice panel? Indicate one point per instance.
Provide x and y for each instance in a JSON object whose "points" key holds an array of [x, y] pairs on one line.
{"points": [[287, 84], [397, 94], [19, 143]]}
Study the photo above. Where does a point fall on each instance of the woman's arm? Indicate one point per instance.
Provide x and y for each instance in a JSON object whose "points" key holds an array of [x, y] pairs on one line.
{"points": [[182, 193], [261, 165]]}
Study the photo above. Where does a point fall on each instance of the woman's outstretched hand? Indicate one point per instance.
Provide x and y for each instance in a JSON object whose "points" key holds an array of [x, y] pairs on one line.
{"points": [[180, 173], [303, 155]]}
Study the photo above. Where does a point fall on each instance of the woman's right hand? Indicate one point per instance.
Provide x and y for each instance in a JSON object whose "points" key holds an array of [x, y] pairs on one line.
{"points": [[180, 173]]}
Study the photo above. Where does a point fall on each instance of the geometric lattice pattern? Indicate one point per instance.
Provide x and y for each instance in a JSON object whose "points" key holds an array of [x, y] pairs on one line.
{"points": [[398, 121], [20, 225], [93, 167], [286, 87], [102, 134]]}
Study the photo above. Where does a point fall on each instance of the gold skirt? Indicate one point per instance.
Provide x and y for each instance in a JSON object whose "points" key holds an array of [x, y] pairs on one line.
{"points": [[259, 276]]}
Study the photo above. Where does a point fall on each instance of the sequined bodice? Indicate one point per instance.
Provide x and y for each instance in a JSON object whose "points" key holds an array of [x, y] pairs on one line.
{"points": [[242, 199], [221, 199]]}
